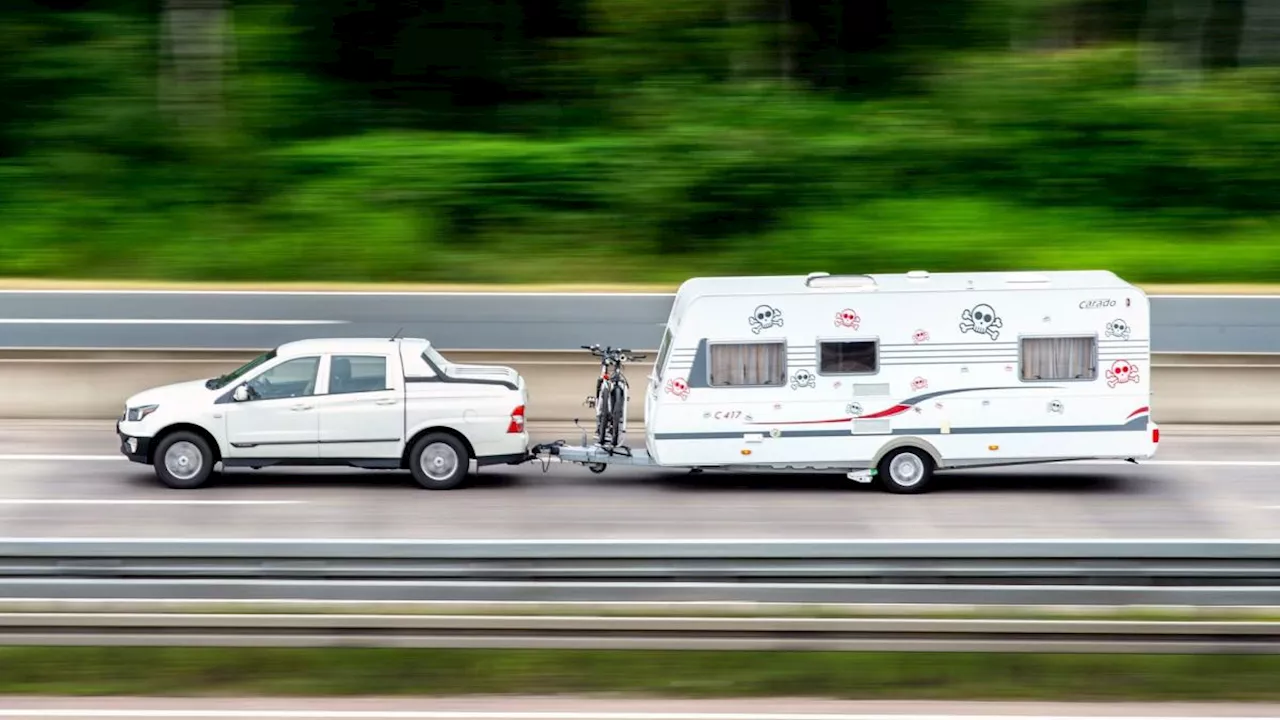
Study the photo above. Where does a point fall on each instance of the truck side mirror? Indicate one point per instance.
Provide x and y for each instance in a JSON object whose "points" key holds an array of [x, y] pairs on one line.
{"points": [[240, 394]]}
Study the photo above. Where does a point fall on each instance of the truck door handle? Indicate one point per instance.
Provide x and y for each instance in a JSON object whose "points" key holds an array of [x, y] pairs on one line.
{"points": [[299, 408], [390, 401]]}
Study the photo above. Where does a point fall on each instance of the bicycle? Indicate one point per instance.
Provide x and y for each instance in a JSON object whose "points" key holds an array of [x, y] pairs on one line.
{"points": [[613, 392]]}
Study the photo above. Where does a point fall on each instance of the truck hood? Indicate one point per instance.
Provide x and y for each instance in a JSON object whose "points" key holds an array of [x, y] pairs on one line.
{"points": [[175, 393]]}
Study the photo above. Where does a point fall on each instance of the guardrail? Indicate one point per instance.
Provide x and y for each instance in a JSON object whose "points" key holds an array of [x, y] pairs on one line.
{"points": [[50, 384], [638, 633], [1197, 573]]}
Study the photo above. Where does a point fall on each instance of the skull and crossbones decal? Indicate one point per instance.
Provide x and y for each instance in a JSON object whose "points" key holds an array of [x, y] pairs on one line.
{"points": [[1118, 329], [1120, 372], [1055, 406], [919, 383], [803, 378], [854, 409], [678, 387], [981, 320], [848, 318], [765, 317]]}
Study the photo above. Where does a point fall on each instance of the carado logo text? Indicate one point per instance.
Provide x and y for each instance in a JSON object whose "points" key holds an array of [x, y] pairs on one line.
{"points": [[1095, 304]]}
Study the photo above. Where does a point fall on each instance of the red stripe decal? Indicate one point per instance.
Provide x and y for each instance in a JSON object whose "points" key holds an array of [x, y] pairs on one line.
{"points": [[895, 410], [1139, 411]]}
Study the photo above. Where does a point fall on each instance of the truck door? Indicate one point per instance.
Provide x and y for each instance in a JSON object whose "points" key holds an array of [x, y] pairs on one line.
{"points": [[362, 407]]}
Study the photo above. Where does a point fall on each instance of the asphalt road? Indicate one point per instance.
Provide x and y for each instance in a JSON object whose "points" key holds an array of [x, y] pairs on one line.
{"points": [[453, 321], [572, 708], [61, 480]]}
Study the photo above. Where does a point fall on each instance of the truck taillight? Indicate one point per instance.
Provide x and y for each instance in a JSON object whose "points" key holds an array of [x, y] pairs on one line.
{"points": [[517, 420]]}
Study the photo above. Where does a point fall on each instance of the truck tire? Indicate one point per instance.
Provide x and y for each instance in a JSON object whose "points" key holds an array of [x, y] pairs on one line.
{"points": [[183, 461], [439, 461], [905, 471]]}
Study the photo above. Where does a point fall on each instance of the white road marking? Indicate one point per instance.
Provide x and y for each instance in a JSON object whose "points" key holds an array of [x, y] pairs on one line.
{"points": [[110, 501], [160, 321], [60, 458], [526, 715], [52, 457]]}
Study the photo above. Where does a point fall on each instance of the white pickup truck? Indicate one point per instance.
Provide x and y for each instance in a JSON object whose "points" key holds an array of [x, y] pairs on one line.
{"points": [[366, 403]]}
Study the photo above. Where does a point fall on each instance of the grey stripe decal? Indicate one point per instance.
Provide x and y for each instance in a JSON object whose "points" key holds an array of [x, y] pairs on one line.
{"points": [[312, 442], [1137, 424]]}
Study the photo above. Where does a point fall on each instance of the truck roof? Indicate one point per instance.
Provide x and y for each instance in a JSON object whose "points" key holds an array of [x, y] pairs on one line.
{"points": [[354, 345]]}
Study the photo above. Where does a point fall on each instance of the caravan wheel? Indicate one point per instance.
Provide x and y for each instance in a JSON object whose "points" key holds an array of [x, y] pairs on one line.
{"points": [[905, 471]]}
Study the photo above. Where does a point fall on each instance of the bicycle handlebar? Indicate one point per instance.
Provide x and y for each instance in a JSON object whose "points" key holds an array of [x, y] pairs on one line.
{"points": [[618, 354]]}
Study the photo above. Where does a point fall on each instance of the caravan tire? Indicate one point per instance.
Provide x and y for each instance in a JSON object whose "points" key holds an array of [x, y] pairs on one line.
{"points": [[905, 471]]}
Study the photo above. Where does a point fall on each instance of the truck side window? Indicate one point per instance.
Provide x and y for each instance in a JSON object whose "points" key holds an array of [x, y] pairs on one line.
{"points": [[852, 357], [1056, 359], [357, 373], [290, 379], [747, 364]]}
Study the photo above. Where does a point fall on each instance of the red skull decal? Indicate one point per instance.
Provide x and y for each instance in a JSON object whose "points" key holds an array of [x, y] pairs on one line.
{"points": [[919, 384], [679, 388], [848, 318], [1122, 371], [919, 336]]}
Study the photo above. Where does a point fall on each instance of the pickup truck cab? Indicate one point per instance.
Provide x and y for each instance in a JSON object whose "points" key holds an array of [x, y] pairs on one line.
{"points": [[365, 403]]}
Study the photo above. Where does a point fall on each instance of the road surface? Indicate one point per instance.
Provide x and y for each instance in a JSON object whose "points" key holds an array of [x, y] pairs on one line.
{"points": [[477, 321], [66, 480], [540, 708]]}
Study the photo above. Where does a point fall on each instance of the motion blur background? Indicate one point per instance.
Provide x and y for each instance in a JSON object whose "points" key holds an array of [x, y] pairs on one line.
{"points": [[631, 140]]}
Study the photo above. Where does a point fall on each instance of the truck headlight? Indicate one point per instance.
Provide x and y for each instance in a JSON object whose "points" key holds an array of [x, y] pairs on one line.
{"points": [[138, 413]]}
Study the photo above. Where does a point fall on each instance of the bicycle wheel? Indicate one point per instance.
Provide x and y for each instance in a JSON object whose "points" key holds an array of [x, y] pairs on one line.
{"points": [[616, 408], [602, 419]]}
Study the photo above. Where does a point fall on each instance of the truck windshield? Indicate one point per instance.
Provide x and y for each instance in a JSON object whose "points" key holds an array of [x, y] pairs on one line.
{"points": [[223, 380]]}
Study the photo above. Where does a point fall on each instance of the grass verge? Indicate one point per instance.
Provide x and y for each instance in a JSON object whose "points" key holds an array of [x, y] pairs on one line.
{"points": [[342, 671]]}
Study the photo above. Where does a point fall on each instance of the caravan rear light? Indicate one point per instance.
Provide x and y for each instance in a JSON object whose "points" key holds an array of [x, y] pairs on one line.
{"points": [[517, 420], [1155, 435]]}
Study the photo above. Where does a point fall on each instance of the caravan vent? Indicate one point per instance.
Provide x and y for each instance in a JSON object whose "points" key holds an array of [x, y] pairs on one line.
{"points": [[874, 426], [843, 282], [870, 389]]}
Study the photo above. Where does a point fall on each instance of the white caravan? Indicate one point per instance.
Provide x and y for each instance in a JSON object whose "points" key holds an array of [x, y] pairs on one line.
{"points": [[890, 377]]}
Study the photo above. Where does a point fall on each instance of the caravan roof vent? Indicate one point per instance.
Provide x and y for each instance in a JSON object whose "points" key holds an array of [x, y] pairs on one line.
{"points": [[844, 282], [1021, 278], [918, 275]]}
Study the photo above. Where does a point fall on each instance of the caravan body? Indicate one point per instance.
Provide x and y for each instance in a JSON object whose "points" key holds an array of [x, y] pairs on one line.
{"points": [[835, 373]]}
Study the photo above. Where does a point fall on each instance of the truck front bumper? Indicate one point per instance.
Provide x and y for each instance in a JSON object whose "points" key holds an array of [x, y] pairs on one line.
{"points": [[136, 449]]}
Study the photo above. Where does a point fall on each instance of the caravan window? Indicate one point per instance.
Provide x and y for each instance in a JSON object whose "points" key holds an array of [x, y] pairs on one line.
{"points": [[1057, 359], [747, 364], [663, 350], [853, 357]]}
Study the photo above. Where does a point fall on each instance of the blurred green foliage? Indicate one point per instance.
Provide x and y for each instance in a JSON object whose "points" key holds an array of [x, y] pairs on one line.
{"points": [[620, 140]]}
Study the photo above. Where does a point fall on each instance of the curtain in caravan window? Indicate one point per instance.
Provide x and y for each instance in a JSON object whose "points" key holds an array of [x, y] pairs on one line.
{"points": [[1065, 358], [748, 364]]}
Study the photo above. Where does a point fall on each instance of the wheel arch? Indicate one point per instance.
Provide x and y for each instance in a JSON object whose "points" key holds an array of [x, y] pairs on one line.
{"points": [[184, 427], [908, 441], [462, 438]]}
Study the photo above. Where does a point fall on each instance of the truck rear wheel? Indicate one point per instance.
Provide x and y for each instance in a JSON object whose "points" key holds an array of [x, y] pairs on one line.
{"points": [[183, 461], [905, 471], [439, 461]]}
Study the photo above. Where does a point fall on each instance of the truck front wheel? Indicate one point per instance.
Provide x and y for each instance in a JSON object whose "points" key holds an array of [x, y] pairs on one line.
{"points": [[183, 461], [439, 461]]}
